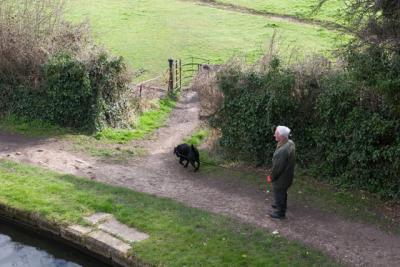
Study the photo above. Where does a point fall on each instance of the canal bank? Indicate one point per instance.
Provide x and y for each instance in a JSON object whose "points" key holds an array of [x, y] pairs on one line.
{"points": [[178, 235], [23, 247], [61, 245]]}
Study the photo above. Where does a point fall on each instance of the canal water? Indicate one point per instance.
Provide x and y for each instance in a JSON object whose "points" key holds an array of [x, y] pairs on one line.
{"points": [[20, 248]]}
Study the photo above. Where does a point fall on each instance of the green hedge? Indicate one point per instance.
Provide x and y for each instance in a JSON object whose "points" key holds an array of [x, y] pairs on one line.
{"points": [[86, 95], [346, 133], [357, 140]]}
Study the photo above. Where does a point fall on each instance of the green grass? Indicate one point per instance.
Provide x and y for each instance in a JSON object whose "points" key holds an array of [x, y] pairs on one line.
{"points": [[197, 138], [358, 206], [104, 144], [297, 8], [208, 160], [80, 142], [31, 127], [104, 150], [147, 33], [148, 122], [179, 235]]}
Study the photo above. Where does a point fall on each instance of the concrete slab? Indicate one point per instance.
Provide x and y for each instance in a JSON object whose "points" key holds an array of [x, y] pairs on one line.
{"points": [[105, 244], [122, 231], [97, 218], [79, 229], [76, 233]]}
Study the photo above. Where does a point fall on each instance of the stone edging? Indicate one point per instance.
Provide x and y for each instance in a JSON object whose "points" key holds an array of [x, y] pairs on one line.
{"points": [[71, 235]]}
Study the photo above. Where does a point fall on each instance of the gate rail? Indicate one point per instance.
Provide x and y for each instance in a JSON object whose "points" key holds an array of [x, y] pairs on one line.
{"points": [[183, 73]]}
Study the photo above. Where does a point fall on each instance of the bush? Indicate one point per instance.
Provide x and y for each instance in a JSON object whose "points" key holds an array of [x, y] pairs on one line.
{"points": [[109, 79], [252, 108], [344, 130], [255, 102], [31, 32], [68, 93], [206, 86], [84, 95], [358, 143], [377, 68], [51, 70]]}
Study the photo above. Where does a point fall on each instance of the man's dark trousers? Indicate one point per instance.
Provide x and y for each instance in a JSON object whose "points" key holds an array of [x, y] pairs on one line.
{"points": [[280, 199]]}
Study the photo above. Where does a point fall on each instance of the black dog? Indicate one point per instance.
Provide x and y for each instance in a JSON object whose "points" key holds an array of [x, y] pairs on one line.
{"points": [[188, 153]]}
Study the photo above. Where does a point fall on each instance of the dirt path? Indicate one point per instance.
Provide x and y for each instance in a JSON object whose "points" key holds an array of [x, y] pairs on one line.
{"points": [[160, 174], [281, 17]]}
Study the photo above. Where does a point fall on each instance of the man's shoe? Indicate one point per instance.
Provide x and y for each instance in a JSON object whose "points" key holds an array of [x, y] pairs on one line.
{"points": [[274, 206], [277, 216]]}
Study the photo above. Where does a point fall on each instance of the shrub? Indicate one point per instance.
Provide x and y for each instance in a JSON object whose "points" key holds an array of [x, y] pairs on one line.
{"points": [[377, 68], [83, 95], [50, 69], [31, 32], [205, 84], [109, 79], [342, 128], [255, 102], [356, 142], [68, 94]]}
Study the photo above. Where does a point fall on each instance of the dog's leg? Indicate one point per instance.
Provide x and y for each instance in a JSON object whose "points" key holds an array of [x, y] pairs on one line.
{"points": [[194, 165], [198, 166], [181, 160], [187, 163]]}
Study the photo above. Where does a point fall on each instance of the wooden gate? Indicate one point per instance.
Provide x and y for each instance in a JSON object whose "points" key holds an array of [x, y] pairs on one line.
{"points": [[182, 74]]}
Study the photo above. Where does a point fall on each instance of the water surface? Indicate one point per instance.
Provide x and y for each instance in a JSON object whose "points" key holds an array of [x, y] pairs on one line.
{"points": [[20, 248]]}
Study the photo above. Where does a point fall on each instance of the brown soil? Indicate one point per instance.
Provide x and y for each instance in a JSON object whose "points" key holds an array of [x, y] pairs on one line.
{"points": [[159, 173]]}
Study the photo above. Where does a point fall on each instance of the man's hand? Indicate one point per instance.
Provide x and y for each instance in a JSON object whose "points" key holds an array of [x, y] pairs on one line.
{"points": [[269, 180]]}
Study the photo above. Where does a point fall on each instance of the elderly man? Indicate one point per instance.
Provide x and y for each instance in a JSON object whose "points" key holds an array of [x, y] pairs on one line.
{"points": [[282, 173]]}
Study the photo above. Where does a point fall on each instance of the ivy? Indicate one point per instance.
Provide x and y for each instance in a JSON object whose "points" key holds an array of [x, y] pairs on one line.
{"points": [[342, 130], [87, 95]]}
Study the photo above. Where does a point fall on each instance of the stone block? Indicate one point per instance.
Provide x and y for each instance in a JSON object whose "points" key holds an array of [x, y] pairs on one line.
{"points": [[43, 224], [103, 243], [122, 231], [97, 218], [76, 233]]}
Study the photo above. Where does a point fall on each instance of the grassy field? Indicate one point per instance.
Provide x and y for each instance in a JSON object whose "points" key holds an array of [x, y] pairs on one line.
{"points": [[147, 33], [298, 8], [179, 235]]}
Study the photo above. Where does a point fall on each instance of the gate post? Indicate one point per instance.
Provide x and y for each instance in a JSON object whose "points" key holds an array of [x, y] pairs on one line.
{"points": [[180, 74], [171, 76]]}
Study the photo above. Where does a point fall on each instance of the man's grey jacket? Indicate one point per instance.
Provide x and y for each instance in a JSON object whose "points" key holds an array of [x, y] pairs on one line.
{"points": [[283, 163]]}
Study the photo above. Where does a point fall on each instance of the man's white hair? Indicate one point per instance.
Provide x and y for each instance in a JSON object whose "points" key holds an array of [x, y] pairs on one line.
{"points": [[283, 131]]}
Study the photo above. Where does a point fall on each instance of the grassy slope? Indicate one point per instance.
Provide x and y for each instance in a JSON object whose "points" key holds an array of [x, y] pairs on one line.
{"points": [[104, 144], [297, 8], [148, 122], [147, 33], [179, 236]]}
